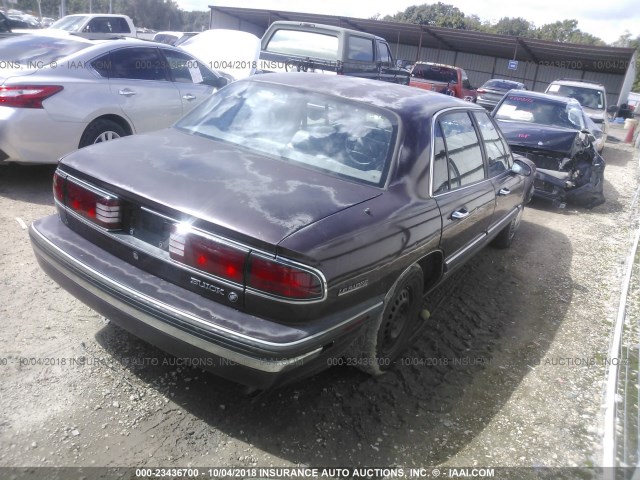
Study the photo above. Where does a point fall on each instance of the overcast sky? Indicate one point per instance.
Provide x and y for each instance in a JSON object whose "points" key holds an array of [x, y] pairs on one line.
{"points": [[604, 19]]}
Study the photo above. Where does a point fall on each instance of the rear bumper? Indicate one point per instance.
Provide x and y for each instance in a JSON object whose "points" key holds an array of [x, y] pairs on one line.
{"points": [[30, 135], [232, 344]]}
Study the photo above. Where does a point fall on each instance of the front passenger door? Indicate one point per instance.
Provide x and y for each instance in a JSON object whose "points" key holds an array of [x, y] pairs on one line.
{"points": [[508, 187], [190, 77]]}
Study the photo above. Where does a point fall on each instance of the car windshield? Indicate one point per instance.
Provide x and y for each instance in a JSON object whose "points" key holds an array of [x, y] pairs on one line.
{"points": [[37, 51], [587, 97], [435, 73], [330, 134], [70, 24], [522, 108]]}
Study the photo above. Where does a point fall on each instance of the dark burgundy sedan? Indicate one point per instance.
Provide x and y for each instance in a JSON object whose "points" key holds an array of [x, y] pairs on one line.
{"points": [[287, 222]]}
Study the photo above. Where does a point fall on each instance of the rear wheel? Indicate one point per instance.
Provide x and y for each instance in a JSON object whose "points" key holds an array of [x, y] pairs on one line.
{"points": [[101, 130], [385, 338], [505, 238]]}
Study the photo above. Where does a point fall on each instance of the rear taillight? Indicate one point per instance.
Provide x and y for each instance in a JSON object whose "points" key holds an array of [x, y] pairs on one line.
{"points": [[233, 263], [58, 187], [283, 280], [207, 254], [481, 90], [99, 207], [27, 96]]}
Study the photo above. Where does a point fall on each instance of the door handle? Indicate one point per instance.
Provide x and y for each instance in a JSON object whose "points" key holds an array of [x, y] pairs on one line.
{"points": [[460, 214], [188, 97], [126, 92], [504, 191]]}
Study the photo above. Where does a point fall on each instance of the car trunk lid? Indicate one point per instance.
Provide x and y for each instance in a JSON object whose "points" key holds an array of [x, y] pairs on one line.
{"points": [[249, 197]]}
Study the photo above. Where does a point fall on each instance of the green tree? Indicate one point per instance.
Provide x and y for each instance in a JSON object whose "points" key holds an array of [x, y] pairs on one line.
{"points": [[517, 27], [566, 31], [627, 41], [437, 15]]}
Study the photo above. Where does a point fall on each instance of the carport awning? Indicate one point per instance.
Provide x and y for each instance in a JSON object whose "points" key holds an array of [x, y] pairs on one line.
{"points": [[565, 55]]}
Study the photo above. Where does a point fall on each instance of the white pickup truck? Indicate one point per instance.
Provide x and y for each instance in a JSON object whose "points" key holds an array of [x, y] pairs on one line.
{"points": [[96, 23]]}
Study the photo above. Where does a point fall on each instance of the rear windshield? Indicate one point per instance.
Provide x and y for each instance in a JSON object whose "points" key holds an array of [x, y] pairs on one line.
{"points": [[37, 51], [70, 23], [304, 44], [503, 84], [346, 139], [522, 108], [587, 97], [435, 73]]}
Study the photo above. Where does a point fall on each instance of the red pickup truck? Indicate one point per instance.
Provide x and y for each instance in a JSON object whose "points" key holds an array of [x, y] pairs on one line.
{"points": [[445, 79]]}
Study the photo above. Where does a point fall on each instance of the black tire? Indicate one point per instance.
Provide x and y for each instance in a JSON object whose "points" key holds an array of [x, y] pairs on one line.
{"points": [[386, 337], [101, 130], [505, 238]]}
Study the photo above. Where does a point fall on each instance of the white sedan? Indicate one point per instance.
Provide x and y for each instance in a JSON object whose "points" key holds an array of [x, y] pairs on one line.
{"points": [[60, 92]]}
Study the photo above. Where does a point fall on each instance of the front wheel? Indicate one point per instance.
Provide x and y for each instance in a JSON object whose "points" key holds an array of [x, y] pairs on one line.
{"points": [[385, 338], [101, 130]]}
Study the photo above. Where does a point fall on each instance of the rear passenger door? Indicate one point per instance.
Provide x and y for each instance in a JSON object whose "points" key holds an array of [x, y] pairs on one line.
{"points": [[464, 194], [508, 186], [139, 83]]}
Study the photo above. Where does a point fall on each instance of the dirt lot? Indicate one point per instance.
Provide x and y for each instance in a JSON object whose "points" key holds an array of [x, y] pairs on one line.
{"points": [[509, 373]]}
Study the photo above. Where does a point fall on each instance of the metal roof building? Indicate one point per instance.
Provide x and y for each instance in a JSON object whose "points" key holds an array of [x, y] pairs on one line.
{"points": [[482, 55]]}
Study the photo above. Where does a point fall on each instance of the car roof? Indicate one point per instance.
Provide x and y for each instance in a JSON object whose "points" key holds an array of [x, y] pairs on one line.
{"points": [[289, 23], [92, 15], [433, 64], [578, 83], [516, 82], [400, 99], [545, 96]]}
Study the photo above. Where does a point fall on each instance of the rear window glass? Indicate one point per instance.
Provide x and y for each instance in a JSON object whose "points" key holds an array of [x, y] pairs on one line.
{"points": [[503, 84], [587, 97], [346, 139], [435, 73], [304, 44], [36, 51], [360, 49], [522, 108], [70, 23]]}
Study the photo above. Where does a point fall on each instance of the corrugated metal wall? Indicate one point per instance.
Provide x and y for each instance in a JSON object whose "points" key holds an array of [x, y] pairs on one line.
{"points": [[536, 76], [222, 20]]}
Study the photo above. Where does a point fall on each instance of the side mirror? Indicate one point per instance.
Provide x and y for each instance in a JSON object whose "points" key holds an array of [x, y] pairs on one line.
{"points": [[521, 168], [218, 82], [586, 137]]}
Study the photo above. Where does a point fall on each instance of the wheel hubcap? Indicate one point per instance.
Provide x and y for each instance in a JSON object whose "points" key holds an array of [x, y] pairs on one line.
{"points": [[106, 136], [396, 321]]}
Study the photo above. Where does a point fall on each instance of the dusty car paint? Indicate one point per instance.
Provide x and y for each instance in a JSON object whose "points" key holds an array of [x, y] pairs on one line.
{"points": [[370, 247]]}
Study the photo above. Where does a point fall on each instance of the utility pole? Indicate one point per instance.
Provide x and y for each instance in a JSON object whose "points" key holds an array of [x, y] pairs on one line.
{"points": [[110, 7], [63, 8]]}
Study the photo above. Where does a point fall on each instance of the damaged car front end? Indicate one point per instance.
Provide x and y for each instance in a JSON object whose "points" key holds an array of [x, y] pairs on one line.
{"points": [[554, 134]]}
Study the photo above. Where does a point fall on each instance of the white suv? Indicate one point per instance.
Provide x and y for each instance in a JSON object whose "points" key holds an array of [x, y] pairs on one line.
{"points": [[592, 97]]}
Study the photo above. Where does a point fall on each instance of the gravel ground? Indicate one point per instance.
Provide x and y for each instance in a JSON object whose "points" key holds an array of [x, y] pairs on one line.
{"points": [[509, 373]]}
